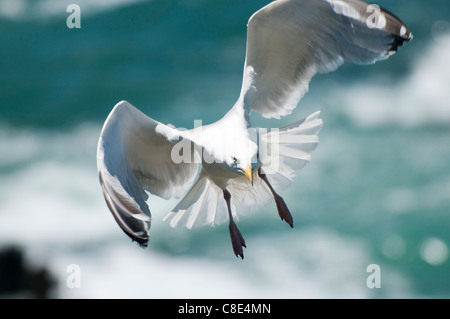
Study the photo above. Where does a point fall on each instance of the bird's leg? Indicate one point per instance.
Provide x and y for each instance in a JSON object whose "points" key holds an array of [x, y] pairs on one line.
{"points": [[237, 241], [283, 210]]}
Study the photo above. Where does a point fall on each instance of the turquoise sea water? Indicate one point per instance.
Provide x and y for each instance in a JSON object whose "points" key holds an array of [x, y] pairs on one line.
{"points": [[377, 190]]}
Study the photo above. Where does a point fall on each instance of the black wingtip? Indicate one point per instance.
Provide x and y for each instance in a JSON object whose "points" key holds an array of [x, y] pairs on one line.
{"points": [[136, 229], [400, 33], [143, 243], [141, 237], [398, 40]]}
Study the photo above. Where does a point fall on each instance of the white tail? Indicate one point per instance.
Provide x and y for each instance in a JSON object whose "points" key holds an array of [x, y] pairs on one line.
{"points": [[202, 205]]}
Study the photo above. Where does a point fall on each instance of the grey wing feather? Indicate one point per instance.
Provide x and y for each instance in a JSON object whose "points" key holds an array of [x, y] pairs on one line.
{"points": [[288, 41], [134, 156]]}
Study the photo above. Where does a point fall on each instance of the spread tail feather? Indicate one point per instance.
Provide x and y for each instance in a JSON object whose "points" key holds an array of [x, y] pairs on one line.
{"points": [[202, 205]]}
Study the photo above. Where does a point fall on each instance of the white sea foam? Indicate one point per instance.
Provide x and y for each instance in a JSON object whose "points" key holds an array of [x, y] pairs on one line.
{"points": [[53, 207], [422, 98], [325, 265]]}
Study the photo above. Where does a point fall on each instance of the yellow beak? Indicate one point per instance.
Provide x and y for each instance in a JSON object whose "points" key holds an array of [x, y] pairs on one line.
{"points": [[248, 173]]}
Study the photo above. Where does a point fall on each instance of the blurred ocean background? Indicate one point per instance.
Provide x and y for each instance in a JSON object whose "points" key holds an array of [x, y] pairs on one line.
{"points": [[377, 190]]}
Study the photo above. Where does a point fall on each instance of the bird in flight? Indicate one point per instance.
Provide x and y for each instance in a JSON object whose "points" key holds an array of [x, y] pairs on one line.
{"points": [[224, 169]]}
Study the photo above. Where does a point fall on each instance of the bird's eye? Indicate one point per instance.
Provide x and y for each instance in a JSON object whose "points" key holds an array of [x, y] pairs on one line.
{"points": [[257, 155], [234, 159]]}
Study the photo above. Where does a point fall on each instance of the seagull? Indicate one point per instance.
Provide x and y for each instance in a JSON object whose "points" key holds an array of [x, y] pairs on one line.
{"points": [[224, 169]]}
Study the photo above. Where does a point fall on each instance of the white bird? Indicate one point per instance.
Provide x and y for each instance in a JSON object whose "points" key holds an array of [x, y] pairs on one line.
{"points": [[288, 41]]}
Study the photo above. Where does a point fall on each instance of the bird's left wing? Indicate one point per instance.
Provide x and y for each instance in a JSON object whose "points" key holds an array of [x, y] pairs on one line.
{"points": [[134, 155], [288, 41]]}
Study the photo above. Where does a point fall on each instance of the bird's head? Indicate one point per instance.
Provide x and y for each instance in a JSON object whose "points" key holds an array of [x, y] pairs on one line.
{"points": [[243, 167], [231, 153], [245, 162]]}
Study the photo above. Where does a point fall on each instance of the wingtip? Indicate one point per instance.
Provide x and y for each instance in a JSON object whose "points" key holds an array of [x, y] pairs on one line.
{"points": [[398, 42], [140, 239], [409, 36], [404, 35], [143, 243]]}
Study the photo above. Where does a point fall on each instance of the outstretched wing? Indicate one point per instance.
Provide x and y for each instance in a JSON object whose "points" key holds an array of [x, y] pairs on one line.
{"points": [[288, 41], [134, 156]]}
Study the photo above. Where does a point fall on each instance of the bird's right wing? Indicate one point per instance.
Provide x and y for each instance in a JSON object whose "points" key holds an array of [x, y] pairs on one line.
{"points": [[288, 41], [134, 155]]}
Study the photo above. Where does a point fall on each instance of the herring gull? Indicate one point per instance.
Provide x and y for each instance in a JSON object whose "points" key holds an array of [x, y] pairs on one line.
{"points": [[228, 167]]}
